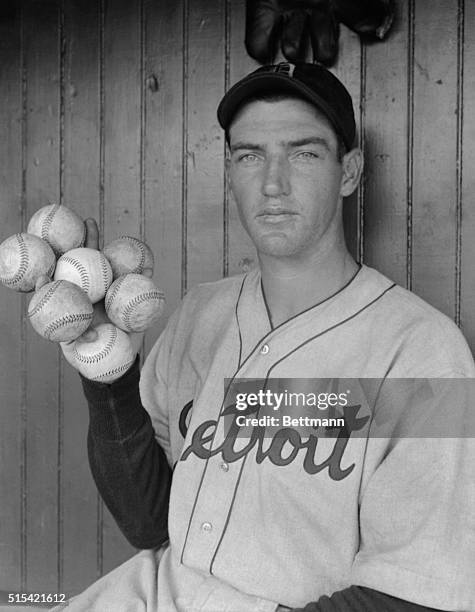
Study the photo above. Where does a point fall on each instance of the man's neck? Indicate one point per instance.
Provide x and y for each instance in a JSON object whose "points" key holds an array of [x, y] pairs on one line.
{"points": [[291, 287]]}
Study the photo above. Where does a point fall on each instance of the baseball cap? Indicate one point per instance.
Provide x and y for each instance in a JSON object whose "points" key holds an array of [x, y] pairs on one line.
{"points": [[313, 82]]}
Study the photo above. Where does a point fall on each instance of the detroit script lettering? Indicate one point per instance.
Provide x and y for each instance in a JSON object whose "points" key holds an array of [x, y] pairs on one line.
{"points": [[271, 448]]}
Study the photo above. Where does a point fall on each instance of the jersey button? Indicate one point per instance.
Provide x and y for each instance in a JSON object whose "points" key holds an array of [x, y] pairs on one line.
{"points": [[224, 466], [265, 349], [207, 527]]}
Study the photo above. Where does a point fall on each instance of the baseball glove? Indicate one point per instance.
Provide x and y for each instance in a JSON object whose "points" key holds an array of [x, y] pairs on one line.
{"points": [[296, 23]]}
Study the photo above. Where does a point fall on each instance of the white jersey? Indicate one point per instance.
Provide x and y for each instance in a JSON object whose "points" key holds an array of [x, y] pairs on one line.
{"points": [[253, 529]]}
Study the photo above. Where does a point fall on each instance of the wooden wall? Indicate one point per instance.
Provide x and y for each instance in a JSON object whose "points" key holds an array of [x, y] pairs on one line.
{"points": [[109, 107]]}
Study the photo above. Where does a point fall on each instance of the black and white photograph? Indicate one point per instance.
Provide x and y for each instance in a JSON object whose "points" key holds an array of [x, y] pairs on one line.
{"points": [[237, 305]]}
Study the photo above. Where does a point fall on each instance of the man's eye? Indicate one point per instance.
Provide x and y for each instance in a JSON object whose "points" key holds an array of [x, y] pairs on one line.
{"points": [[307, 155], [248, 157]]}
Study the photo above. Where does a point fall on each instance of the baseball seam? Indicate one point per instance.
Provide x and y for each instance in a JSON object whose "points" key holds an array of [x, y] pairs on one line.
{"points": [[81, 270], [139, 267], [23, 267], [51, 269], [136, 301], [116, 370], [111, 294], [101, 354], [105, 272], [66, 320], [45, 228], [45, 299]]}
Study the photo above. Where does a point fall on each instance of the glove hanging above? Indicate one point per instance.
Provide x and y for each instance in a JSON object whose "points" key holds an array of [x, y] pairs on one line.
{"points": [[294, 23], [371, 19]]}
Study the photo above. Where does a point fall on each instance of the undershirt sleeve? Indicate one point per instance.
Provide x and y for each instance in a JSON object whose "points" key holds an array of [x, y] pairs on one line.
{"points": [[129, 467], [362, 599]]}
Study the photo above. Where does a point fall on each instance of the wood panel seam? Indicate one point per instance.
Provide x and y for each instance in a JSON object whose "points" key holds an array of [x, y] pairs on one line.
{"points": [[410, 139], [459, 155]]}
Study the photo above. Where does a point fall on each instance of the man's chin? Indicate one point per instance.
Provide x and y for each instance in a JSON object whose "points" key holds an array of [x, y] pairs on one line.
{"points": [[275, 246]]}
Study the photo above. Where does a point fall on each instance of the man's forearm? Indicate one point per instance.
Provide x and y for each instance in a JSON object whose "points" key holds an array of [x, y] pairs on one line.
{"points": [[129, 467]]}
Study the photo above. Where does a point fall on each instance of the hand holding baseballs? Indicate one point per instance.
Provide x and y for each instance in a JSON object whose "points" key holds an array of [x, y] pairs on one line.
{"points": [[95, 303]]}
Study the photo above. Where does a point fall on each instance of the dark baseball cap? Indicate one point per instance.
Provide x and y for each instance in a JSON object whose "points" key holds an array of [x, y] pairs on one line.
{"points": [[312, 82]]}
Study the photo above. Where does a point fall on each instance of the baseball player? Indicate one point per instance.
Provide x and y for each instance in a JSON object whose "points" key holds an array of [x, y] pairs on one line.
{"points": [[262, 520]]}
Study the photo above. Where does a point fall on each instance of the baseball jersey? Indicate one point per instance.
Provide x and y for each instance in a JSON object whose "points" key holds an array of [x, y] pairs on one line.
{"points": [[248, 529], [256, 521]]}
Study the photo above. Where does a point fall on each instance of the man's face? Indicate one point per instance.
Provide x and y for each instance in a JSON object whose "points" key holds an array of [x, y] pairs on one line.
{"points": [[285, 176]]}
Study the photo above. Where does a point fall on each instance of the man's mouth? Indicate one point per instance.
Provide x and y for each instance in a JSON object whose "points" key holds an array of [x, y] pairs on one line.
{"points": [[276, 215]]}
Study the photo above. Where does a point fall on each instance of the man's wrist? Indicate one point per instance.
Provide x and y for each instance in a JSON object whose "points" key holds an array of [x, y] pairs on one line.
{"points": [[101, 390], [115, 408]]}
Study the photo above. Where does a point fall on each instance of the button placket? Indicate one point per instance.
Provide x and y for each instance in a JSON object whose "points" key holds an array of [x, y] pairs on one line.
{"points": [[211, 511]]}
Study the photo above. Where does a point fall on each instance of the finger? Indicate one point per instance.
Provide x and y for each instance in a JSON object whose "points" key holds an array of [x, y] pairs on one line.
{"points": [[92, 234], [294, 37], [324, 33], [88, 336], [263, 21], [148, 272], [42, 280], [136, 339], [67, 345], [99, 307], [100, 315]]}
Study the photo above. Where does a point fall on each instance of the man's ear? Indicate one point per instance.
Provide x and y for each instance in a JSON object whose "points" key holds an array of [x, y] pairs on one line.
{"points": [[352, 164]]}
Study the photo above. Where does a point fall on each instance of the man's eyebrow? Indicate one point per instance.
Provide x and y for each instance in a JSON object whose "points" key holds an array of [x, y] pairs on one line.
{"points": [[316, 140], [249, 146], [300, 142]]}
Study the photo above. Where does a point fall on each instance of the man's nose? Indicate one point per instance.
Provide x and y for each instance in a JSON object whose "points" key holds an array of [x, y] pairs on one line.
{"points": [[276, 177]]}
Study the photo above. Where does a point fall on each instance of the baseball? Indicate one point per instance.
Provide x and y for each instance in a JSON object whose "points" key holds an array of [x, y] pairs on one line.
{"points": [[133, 302], [88, 269], [24, 258], [128, 255], [60, 311], [106, 358], [59, 226]]}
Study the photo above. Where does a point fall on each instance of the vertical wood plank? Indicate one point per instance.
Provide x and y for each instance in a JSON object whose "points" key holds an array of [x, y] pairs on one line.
{"points": [[386, 111], [81, 179], [122, 167], [435, 138], [11, 308], [467, 117], [163, 149], [205, 141], [348, 69], [241, 254], [122, 96], [41, 38]]}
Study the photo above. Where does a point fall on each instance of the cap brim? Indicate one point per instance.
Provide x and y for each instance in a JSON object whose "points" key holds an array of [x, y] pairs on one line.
{"points": [[269, 82]]}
